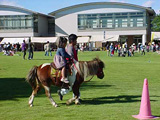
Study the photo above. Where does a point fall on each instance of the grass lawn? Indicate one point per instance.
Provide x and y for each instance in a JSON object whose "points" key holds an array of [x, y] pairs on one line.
{"points": [[116, 97]]}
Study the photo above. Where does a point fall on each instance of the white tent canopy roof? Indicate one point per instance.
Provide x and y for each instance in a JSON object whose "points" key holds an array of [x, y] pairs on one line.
{"points": [[96, 38], [112, 38], [156, 35], [33, 39], [109, 38], [83, 39], [43, 39], [13, 40]]}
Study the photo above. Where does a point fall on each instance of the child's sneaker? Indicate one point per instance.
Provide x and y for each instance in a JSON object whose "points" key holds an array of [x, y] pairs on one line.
{"points": [[65, 80]]}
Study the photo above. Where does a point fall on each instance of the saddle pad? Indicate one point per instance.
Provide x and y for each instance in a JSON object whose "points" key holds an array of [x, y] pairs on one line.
{"points": [[55, 73]]}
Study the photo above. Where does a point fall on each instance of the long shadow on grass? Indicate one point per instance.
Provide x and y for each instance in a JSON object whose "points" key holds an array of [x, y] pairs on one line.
{"points": [[13, 88], [113, 99]]}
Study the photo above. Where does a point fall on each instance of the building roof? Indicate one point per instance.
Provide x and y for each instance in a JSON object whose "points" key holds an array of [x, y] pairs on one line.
{"points": [[150, 10], [20, 8]]}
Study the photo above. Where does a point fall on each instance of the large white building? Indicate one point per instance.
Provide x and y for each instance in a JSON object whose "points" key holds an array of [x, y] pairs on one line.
{"points": [[105, 21], [97, 21]]}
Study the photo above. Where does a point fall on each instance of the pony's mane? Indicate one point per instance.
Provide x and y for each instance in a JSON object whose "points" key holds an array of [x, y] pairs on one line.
{"points": [[87, 68]]}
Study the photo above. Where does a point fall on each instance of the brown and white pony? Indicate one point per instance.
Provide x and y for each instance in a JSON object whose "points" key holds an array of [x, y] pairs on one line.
{"points": [[40, 76]]}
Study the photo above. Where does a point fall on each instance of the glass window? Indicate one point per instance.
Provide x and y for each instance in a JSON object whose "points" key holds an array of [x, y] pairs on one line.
{"points": [[124, 13], [103, 23], [51, 25], [28, 23], [116, 23], [109, 14], [109, 23], [23, 23], [133, 13], [139, 22], [35, 23], [16, 22], [111, 20], [124, 22], [117, 14]]}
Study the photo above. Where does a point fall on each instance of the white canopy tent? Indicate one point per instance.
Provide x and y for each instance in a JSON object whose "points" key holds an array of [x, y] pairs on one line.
{"points": [[100, 38], [43, 39], [13, 40], [83, 39], [112, 38], [156, 36], [96, 38]]}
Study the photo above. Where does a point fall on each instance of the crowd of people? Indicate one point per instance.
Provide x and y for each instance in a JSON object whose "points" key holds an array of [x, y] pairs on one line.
{"points": [[11, 49], [125, 50]]}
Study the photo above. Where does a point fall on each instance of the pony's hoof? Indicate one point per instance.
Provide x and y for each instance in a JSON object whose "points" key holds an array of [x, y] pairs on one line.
{"points": [[78, 103], [31, 105], [56, 105], [68, 103]]}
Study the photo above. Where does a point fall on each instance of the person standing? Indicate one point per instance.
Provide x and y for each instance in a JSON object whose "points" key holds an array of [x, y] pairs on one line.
{"points": [[107, 48], [111, 50], [71, 48], [47, 49], [143, 47], [30, 50], [24, 49]]}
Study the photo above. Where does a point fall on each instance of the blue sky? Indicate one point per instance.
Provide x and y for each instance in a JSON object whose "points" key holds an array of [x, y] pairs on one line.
{"points": [[47, 6]]}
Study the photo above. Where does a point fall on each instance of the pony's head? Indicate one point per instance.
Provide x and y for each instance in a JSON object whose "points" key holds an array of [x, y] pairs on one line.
{"points": [[100, 73], [95, 67]]}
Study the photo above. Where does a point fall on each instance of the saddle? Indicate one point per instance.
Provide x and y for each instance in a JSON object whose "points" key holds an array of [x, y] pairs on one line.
{"points": [[54, 66], [56, 72]]}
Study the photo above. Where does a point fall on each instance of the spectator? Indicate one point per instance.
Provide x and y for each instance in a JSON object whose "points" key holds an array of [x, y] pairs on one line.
{"points": [[18, 46], [111, 50], [119, 50], [107, 48], [24, 49], [30, 50], [47, 48], [143, 47]]}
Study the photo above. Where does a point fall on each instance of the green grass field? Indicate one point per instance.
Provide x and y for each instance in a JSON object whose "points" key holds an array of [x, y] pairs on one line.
{"points": [[116, 97]]}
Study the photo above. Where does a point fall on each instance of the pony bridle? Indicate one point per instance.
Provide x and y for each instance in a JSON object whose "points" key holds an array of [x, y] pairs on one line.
{"points": [[99, 72]]}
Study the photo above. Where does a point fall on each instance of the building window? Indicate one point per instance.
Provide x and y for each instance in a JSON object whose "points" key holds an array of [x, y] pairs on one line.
{"points": [[124, 22], [35, 22], [139, 22], [51, 25], [16, 22], [111, 20]]}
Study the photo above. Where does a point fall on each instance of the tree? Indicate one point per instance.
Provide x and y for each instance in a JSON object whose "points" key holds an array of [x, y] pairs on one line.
{"points": [[156, 23]]}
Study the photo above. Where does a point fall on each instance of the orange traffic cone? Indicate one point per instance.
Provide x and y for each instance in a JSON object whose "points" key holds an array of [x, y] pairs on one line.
{"points": [[145, 108]]}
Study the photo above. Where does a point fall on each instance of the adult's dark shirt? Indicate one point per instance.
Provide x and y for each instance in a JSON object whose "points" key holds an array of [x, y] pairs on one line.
{"points": [[30, 46]]}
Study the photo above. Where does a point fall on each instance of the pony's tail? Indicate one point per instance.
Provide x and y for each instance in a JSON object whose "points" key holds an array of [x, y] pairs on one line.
{"points": [[32, 76]]}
